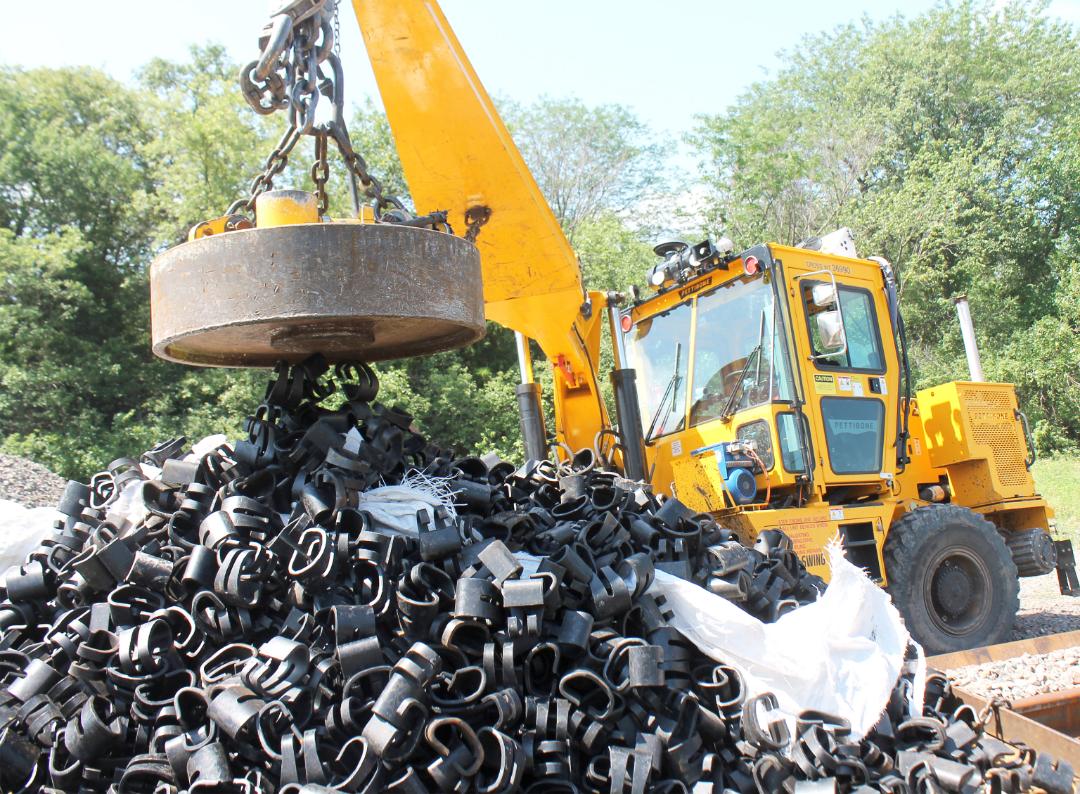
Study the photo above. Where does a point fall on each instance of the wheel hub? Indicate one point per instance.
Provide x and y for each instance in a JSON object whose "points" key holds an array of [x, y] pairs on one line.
{"points": [[957, 591], [952, 589]]}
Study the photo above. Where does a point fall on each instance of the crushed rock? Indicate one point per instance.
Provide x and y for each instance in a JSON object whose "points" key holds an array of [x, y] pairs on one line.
{"points": [[28, 483], [1022, 676], [1044, 610]]}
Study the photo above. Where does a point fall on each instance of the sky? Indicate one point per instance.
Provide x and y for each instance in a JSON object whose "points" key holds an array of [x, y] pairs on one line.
{"points": [[666, 61]]}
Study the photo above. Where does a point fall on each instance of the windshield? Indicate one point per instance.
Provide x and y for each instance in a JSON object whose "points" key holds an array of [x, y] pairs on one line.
{"points": [[658, 348], [740, 359]]}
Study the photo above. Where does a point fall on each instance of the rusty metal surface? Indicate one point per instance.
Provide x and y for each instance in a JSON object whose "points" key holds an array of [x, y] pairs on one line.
{"points": [[350, 291], [1047, 722], [1020, 728], [1006, 650], [1057, 710]]}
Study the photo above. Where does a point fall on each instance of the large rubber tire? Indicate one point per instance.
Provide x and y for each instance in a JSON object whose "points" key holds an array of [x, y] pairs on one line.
{"points": [[952, 577]]}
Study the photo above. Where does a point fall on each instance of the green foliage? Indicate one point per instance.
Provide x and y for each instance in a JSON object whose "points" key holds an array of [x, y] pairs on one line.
{"points": [[372, 138], [470, 413], [206, 144], [949, 144], [613, 256], [74, 310], [70, 158], [1056, 478], [96, 177], [587, 160]]}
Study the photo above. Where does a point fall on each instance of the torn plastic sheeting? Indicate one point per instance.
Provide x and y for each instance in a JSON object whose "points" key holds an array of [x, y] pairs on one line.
{"points": [[21, 531], [841, 654], [393, 508]]}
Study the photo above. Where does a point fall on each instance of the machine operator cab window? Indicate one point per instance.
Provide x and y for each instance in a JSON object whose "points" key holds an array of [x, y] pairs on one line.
{"points": [[740, 359], [845, 338], [659, 349]]}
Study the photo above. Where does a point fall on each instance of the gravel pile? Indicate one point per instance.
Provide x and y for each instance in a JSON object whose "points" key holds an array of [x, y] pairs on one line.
{"points": [[28, 483], [1044, 610], [1023, 676]]}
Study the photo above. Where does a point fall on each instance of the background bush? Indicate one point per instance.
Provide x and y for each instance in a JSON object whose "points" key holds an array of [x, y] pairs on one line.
{"points": [[948, 142]]}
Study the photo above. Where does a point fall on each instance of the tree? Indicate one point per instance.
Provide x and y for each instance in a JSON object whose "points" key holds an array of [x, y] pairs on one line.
{"points": [[206, 143], [97, 177], [587, 160], [948, 143], [74, 310]]}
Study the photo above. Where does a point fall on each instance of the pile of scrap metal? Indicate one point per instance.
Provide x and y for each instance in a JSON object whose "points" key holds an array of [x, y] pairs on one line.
{"points": [[237, 621]]}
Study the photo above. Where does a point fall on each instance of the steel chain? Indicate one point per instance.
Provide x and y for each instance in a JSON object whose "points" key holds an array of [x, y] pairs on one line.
{"points": [[275, 163], [320, 173], [289, 74], [337, 28]]}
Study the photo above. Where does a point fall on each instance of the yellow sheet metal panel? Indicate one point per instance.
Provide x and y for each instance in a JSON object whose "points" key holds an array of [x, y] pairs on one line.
{"points": [[822, 382], [457, 153], [919, 470], [972, 430], [812, 527], [1016, 515], [668, 456], [698, 483]]}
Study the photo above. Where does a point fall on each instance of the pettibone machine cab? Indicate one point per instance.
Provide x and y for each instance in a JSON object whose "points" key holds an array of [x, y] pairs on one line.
{"points": [[775, 392]]}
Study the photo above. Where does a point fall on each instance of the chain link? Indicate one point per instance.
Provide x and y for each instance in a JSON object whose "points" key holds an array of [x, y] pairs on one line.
{"points": [[274, 165], [299, 64], [337, 28], [320, 173], [992, 710]]}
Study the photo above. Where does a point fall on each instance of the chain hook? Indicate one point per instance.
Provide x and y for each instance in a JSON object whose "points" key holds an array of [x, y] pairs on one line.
{"points": [[300, 37]]}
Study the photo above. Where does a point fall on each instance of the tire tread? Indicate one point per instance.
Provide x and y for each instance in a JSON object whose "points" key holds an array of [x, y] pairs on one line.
{"points": [[912, 531]]}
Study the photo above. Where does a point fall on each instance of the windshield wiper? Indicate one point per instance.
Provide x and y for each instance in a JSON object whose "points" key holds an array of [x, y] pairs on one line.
{"points": [[672, 388], [739, 385]]}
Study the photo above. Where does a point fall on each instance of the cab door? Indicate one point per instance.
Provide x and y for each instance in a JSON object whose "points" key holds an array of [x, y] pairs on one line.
{"points": [[848, 362]]}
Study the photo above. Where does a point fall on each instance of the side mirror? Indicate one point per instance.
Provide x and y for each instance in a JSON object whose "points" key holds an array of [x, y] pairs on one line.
{"points": [[824, 295], [830, 326], [822, 302]]}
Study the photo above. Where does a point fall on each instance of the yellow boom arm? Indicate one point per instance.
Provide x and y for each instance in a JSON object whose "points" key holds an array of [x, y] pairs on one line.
{"points": [[458, 155]]}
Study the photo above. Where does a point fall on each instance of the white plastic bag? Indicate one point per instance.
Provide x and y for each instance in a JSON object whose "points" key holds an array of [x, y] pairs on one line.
{"points": [[842, 654], [21, 531], [393, 508]]}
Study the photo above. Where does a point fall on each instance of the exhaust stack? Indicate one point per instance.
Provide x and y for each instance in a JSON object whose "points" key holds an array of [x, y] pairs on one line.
{"points": [[971, 347]]}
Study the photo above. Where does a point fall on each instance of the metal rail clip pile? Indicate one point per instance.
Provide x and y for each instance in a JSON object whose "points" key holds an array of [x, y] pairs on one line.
{"points": [[251, 631]]}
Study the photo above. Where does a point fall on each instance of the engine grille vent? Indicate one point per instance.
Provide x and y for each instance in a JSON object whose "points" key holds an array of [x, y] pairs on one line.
{"points": [[992, 422]]}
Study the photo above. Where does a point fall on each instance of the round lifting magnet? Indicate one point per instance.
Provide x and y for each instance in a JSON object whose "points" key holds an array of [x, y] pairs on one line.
{"points": [[350, 291]]}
